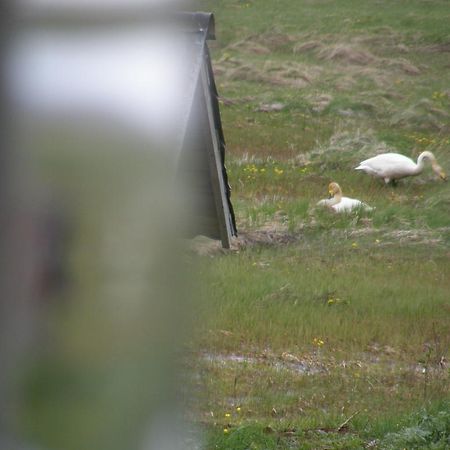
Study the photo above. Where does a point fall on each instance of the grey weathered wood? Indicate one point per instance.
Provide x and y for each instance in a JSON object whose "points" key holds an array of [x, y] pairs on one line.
{"points": [[214, 157]]}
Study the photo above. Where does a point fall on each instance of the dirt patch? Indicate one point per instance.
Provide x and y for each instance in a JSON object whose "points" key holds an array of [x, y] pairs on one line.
{"points": [[276, 234], [272, 233], [269, 237], [284, 362], [427, 237], [378, 358]]}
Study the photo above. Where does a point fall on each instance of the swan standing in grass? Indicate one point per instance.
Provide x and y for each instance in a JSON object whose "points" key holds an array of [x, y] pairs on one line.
{"points": [[393, 166], [342, 204]]}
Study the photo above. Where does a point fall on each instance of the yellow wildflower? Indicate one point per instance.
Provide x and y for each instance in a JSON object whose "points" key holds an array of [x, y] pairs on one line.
{"points": [[318, 341]]}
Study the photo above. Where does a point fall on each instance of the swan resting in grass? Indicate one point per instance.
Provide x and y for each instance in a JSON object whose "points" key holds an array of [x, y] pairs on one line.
{"points": [[342, 204], [393, 166]]}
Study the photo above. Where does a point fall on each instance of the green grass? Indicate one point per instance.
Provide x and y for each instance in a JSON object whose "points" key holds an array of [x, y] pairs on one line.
{"points": [[354, 80], [391, 299], [424, 430]]}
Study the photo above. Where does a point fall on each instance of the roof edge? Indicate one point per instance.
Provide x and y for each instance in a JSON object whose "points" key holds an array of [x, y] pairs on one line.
{"points": [[202, 21], [55, 18]]}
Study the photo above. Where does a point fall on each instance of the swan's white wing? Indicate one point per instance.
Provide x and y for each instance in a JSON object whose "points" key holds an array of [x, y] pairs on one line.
{"points": [[388, 165], [388, 158], [348, 204], [368, 169], [328, 202]]}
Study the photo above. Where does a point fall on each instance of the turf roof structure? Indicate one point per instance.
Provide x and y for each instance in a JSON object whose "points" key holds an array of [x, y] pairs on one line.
{"points": [[203, 152]]}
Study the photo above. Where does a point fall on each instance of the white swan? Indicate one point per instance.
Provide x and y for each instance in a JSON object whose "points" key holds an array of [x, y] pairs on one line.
{"points": [[393, 166], [342, 204]]}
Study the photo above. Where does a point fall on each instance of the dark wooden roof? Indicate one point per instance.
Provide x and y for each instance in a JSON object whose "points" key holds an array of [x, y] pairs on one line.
{"points": [[216, 217]]}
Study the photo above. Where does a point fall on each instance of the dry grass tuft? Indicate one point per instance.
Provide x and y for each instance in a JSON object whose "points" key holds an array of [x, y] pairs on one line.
{"points": [[418, 236], [294, 74], [289, 74], [345, 149], [245, 72], [275, 40], [402, 48], [320, 102], [346, 82], [437, 48], [264, 43], [360, 64], [346, 53], [308, 46], [248, 45], [383, 39], [422, 115], [270, 107], [404, 65]]}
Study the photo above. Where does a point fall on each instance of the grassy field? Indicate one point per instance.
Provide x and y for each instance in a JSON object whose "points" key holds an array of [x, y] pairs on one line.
{"points": [[316, 331], [315, 318]]}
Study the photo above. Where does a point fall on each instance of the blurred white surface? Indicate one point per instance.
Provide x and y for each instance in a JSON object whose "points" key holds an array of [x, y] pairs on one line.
{"points": [[137, 77]]}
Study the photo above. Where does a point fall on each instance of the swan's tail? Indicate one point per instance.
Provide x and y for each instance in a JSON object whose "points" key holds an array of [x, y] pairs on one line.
{"points": [[367, 169], [368, 208]]}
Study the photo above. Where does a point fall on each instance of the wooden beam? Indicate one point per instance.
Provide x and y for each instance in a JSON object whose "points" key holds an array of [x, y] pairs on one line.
{"points": [[213, 149]]}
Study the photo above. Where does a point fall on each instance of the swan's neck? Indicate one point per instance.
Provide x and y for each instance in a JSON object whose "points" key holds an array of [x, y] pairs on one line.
{"points": [[336, 198], [421, 161]]}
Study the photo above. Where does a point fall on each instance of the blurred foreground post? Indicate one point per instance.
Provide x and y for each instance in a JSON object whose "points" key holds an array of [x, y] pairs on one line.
{"points": [[103, 104]]}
